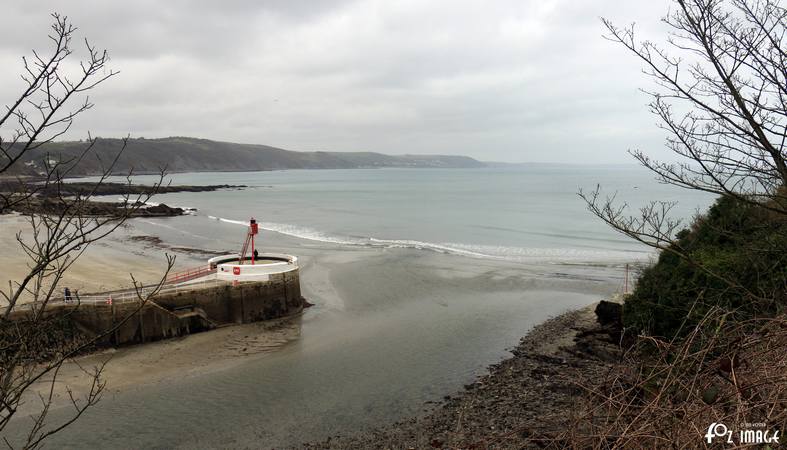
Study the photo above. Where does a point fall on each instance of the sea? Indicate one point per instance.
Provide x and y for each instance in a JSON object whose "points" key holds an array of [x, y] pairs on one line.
{"points": [[526, 214], [420, 279]]}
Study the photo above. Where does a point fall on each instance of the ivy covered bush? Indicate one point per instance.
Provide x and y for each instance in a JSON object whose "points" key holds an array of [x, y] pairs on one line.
{"points": [[734, 257]]}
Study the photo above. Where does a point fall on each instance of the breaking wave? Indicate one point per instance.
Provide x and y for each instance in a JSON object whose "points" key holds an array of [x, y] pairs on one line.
{"points": [[517, 254]]}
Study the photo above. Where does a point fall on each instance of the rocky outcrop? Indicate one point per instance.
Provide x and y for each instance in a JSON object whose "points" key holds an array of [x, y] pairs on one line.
{"points": [[49, 206]]}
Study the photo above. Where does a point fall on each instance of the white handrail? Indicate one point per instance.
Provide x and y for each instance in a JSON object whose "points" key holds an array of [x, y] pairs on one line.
{"points": [[129, 295]]}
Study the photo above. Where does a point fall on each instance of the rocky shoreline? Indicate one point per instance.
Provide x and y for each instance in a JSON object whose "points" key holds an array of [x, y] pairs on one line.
{"points": [[49, 199], [49, 206], [524, 401], [73, 188]]}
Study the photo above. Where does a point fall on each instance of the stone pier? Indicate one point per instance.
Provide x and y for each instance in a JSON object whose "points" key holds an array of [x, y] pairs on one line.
{"points": [[184, 311]]}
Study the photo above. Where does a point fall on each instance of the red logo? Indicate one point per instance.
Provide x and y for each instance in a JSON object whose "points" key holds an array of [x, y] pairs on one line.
{"points": [[236, 270]]}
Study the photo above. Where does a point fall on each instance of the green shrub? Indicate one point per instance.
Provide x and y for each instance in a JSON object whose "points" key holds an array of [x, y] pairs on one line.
{"points": [[735, 258]]}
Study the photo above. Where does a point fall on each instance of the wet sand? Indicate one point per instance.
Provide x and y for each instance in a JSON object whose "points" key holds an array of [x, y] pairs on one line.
{"points": [[525, 401], [129, 368], [391, 329]]}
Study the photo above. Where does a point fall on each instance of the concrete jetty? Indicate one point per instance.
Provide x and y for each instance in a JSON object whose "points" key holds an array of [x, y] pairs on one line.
{"points": [[230, 289]]}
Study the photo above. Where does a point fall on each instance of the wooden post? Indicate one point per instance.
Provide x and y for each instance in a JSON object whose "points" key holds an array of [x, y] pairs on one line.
{"points": [[141, 324], [626, 285], [114, 326]]}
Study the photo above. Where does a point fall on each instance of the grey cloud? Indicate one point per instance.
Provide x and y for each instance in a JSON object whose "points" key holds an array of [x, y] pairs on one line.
{"points": [[506, 80]]}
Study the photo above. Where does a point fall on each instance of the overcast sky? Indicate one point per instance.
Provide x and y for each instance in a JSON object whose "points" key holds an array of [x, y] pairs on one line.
{"points": [[519, 80]]}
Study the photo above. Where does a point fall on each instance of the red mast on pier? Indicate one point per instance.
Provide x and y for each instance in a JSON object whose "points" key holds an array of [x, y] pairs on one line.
{"points": [[253, 230]]}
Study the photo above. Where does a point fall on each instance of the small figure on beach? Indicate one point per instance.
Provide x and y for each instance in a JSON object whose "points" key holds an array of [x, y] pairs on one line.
{"points": [[256, 255], [67, 294]]}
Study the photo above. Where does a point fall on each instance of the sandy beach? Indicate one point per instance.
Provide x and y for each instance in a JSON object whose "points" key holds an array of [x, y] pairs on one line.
{"points": [[105, 265]]}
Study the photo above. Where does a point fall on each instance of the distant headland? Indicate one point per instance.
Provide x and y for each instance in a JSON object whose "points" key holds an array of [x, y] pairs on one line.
{"points": [[186, 154]]}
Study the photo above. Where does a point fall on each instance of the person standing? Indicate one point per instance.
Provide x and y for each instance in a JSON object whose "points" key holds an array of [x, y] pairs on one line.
{"points": [[67, 294]]}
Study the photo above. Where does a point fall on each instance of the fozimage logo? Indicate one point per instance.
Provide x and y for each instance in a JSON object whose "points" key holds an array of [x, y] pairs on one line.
{"points": [[750, 433]]}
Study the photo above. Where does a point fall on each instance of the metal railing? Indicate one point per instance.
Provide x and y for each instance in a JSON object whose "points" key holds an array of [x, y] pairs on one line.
{"points": [[133, 295], [190, 274], [182, 281], [124, 295]]}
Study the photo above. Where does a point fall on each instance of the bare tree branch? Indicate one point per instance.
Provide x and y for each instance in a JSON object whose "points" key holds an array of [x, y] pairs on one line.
{"points": [[44, 111]]}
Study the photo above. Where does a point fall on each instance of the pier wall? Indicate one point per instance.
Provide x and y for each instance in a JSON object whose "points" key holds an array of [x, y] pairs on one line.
{"points": [[246, 302], [181, 313]]}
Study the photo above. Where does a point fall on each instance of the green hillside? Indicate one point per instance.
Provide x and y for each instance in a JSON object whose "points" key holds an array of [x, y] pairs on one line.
{"points": [[184, 154]]}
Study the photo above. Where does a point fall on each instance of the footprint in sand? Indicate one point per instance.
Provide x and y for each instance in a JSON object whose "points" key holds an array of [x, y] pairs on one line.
{"points": [[261, 340]]}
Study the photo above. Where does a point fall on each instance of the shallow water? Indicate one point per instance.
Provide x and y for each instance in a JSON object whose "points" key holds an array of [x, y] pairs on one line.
{"points": [[519, 214], [402, 335], [421, 278]]}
